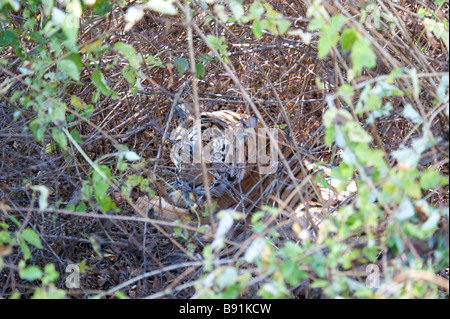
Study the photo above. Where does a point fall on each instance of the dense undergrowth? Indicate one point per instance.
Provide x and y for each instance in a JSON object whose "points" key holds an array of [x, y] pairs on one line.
{"points": [[88, 90]]}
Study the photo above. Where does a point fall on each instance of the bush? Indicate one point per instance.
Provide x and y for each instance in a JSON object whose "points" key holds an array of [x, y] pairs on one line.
{"points": [[89, 89]]}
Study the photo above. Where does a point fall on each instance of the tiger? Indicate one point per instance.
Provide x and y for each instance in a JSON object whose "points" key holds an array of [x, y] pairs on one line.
{"points": [[248, 166]]}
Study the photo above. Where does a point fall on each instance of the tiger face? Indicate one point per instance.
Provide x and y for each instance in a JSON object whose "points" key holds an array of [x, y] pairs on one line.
{"points": [[221, 144]]}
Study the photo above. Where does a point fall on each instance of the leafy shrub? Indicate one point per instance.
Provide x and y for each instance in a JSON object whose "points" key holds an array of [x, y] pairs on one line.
{"points": [[389, 242]]}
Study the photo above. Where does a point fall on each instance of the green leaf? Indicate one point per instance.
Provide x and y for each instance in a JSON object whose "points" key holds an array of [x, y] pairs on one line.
{"points": [[213, 41], [151, 60], [134, 180], [38, 129], [107, 205], [25, 250], [129, 52], [422, 12], [100, 82], [337, 22], [57, 114], [92, 47], [77, 103], [70, 28], [129, 74], [320, 283], [256, 10], [290, 250], [221, 13], [292, 273], [76, 136], [181, 64], [101, 185], [371, 252], [145, 187], [237, 9], [343, 172], [257, 29], [413, 190], [15, 5], [273, 289], [365, 293], [199, 70], [15, 221], [395, 74], [5, 237], [346, 93], [283, 25], [348, 37], [75, 58], [37, 37], [101, 8], [31, 273], [269, 24], [48, 6], [95, 96], [316, 24], [328, 40], [50, 274], [86, 191], [321, 180], [356, 133], [430, 178], [95, 245], [31, 237], [60, 138], [81, 208], [373, 103], [362, 56], [256, 217], [124, 49], [330, 135], [9, 37]]}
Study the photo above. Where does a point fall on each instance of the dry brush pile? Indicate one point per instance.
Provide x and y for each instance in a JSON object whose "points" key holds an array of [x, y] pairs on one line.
{"points": [[118, 249]]}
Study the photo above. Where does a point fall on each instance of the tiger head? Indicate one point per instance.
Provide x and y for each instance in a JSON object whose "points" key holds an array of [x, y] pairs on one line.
{"points": [[224, 149]]}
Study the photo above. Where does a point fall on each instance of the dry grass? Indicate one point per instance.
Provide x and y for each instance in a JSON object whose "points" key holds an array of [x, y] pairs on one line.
{"points": [[278, 73]]}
